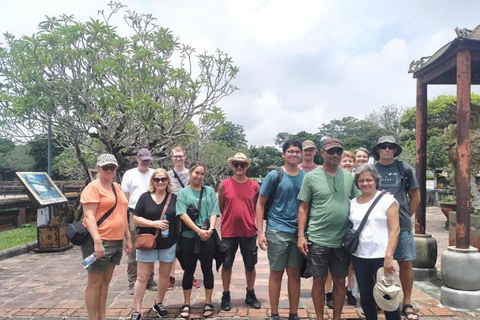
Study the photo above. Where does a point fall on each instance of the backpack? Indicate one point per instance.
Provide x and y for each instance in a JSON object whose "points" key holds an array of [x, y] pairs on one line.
{"points": [[403, 173], [271, 195]]}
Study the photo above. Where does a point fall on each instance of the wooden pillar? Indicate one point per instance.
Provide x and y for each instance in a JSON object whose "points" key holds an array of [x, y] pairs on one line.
{"points": [[421, 157], [462, 174]]}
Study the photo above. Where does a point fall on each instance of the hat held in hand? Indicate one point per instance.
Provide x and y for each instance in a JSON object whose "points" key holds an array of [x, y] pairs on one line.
{"points": [[387, 290]]}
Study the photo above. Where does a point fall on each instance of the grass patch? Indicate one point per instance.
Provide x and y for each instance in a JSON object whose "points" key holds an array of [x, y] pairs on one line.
{"points": [[11, 238]]}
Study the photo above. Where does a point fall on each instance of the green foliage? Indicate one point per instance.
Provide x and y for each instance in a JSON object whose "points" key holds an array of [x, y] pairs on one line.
{"points": [[214, 154], [67, 166], [387, 118], [136, 91], [39, 152], [232, 135], [437, 155], [17, 237], [262, 157]]}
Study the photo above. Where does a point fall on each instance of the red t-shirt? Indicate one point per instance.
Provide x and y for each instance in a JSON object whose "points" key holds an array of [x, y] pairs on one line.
{"points": [[238, 216]]}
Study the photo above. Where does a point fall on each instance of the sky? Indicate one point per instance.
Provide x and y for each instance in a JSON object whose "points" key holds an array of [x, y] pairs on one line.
{"points": [[302, 63]]}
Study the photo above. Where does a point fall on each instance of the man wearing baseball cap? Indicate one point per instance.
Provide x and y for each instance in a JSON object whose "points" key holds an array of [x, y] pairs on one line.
{"points": [[134, 183], [236, 200], [399, 179], [309, 150], [323, 220]]}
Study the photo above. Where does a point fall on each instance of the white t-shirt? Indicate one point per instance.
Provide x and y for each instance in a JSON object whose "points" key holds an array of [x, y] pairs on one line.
{"points": [[374, 236], [183, 175], [135, 184]]}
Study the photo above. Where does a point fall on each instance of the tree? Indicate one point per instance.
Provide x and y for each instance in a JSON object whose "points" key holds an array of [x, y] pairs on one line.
{"points": [[84, 75], [232, 135], [39, 152], [262, 157], [388, 118]]}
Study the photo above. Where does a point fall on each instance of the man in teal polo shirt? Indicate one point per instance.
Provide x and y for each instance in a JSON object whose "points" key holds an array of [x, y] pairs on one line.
{"points": [[324, 197]]}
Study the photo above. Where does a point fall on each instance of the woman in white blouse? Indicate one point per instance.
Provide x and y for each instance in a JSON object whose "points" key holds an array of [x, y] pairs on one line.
{"points": [[378, 239]]}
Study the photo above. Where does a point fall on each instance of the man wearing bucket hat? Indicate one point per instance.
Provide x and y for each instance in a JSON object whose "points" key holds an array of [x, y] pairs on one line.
{"points": [[399, 179], [236, 200]]}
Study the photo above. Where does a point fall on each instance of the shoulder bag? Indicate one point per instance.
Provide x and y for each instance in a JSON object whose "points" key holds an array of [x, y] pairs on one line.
{"points": [[193, 212], [352, 237], [76, 232], [146, 241]]}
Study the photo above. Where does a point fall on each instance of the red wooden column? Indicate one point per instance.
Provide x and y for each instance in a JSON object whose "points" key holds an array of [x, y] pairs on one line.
{"points": [[421, 157], [463, 149]]}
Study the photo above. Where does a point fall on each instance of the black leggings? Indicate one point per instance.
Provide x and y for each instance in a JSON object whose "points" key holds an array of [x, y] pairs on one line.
{"points": [[190, 263]]}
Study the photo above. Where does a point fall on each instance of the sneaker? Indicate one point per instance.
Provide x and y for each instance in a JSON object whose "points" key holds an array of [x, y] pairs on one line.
{"points": [[160, 309], [293, 317], [136, 316], [171, 283], [131, 289], [252, 300], [225, 305], [329, 300], [351, 300], [196, 283], [275, 317], [152, 286]]}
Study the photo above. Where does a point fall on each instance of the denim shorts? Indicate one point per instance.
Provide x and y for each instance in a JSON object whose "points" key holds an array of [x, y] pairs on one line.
{"points": [[113, 253], [406, 246], [283, 251], [161, 255]]}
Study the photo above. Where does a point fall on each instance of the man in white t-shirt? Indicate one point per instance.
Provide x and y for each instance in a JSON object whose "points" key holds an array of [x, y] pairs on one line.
{"points": [[134, 183], [180, 177]]}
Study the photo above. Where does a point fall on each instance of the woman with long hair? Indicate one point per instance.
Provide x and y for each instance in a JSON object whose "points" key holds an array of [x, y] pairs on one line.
{"points": [[197, 207]]}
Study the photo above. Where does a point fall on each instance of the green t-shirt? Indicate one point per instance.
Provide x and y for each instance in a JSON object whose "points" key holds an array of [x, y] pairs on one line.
{"points": [[187, 197], [328, 197]]}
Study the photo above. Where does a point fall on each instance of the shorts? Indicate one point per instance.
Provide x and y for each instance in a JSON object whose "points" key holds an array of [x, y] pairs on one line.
{"points": [[248, 248], [113, 253], [322, 259], [406, 246], [161, 255], [283, 251]]}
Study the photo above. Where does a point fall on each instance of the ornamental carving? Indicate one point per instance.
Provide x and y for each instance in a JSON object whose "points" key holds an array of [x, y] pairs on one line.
{"points": [[415, 65], [463, 33]]}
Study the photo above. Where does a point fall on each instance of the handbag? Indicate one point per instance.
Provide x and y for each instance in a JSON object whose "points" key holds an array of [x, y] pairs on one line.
{"points": [[147, 241], [352, 237], [192, 212], [76, 232]]}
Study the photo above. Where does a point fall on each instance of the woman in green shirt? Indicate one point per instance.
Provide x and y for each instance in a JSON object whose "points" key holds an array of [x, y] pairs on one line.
{"points": [[203, 200]]}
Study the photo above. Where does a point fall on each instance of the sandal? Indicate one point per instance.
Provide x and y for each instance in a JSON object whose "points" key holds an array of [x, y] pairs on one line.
{"points": [[409, 315], [185, 311], [208, 310]]}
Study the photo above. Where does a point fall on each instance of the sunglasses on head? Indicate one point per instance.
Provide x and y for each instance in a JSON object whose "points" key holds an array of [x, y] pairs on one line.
{"points": [[110, 167], [157, 180], [387, 145], [333, 151], [239, 164]]}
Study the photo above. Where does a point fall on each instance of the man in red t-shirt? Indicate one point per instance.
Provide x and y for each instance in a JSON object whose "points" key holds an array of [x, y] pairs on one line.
{"points": [[236, 199]]}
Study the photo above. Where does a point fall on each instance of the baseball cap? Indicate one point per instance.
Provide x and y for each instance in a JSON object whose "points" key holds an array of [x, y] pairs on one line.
{"points": [[144, 154], [332, 143], [308, 144], [105, 159]]}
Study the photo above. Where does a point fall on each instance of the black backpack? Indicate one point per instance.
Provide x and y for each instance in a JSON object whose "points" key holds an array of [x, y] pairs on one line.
{"points": [[271, 195], [403, 173]]}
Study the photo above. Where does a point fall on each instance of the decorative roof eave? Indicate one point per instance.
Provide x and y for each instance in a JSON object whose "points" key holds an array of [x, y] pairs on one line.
{"points": [[465, 37]]}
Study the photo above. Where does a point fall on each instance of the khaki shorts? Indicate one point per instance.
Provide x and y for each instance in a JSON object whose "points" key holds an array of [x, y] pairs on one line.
{"points": [[283, 251], [113, 253]]}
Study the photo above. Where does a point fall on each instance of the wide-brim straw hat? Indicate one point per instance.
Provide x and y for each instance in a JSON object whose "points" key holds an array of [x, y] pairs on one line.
{"points": [[239, 157]]}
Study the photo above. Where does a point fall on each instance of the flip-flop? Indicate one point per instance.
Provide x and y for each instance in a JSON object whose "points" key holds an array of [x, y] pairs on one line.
{"points": [[185, 311], [208, 310], [409, 315]]}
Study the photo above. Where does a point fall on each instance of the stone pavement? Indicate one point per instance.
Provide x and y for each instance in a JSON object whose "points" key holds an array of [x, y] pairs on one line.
{"points": [[51, 286]]}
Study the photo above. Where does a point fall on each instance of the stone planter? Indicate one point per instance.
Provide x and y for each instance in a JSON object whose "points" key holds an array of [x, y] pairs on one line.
{"points": [[52, 238], [446, 208], [474, 230]]}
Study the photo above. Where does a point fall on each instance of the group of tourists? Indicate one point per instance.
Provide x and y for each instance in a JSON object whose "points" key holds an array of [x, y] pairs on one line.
{"points": [[299, 215]]}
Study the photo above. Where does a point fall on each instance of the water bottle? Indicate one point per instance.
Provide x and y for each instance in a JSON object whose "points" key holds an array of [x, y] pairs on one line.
{"points": [[89, 260], [165, 232], [204, 224]]}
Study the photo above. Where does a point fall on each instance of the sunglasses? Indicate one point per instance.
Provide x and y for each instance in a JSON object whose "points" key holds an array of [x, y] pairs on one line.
{"points": [[239, 164], [178, 156], [110, 167], [333, 151], [387, 145], [157, 180]]}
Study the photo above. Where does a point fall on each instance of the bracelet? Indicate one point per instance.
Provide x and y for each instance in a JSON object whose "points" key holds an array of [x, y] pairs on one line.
{"points": [[212, 229], [199, 232]]}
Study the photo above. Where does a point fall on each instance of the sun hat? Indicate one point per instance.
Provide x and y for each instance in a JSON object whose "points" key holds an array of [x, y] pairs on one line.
{"points": [[144, 154], [105, 159], [387, 290], [239, 157], [308, 144], [332, 143], [387, 139]]}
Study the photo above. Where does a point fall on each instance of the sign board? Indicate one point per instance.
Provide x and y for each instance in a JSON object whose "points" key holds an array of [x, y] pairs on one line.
{"points": [[41, 188]]}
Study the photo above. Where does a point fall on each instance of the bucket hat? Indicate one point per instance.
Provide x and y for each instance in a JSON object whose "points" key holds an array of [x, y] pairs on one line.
{"points": [[387, 139], [387, 290]]}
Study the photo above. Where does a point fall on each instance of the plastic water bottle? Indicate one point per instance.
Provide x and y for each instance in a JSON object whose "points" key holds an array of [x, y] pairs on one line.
{"points": [[165, 232], [204, 224], [89, 260]]}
